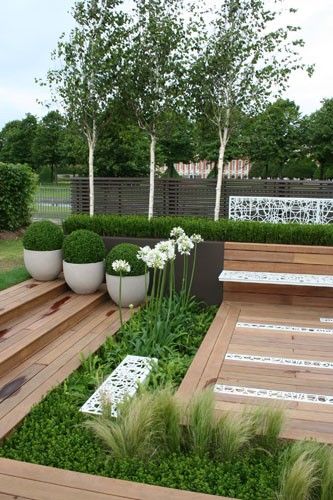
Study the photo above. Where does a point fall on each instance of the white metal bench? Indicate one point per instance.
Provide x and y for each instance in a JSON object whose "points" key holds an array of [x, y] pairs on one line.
{"points": [[276, 278], [281, 210], [123, 382]]}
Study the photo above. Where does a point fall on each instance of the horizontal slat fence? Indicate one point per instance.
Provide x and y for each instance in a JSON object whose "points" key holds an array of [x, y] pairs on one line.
{"points": [[196, 197]]}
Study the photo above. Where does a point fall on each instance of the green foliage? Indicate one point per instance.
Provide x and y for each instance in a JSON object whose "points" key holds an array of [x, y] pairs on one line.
{"points": [[268, 424], [16, 141], [128, 252], [17, 186], [83, 247], [222, 230], [200, 422], [43, 235]]}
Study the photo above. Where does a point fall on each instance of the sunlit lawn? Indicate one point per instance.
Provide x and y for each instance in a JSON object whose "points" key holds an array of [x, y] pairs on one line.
{"points": [[12, 270]]}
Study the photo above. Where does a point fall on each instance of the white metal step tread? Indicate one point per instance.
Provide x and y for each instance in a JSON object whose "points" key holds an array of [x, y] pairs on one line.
{"points": [[123, 382], [277, 278]]}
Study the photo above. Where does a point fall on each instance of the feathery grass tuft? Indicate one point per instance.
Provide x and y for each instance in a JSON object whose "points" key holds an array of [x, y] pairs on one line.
{"points": [[232, 433], [299, 479], [200, 423], [268, 423]]}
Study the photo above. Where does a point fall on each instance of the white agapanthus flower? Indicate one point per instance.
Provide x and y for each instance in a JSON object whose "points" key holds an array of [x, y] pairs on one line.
{"points": [[196, 238], [168, 248], [177, 232], [184, 245], [121, 266], [156, 259], [142, 253]]}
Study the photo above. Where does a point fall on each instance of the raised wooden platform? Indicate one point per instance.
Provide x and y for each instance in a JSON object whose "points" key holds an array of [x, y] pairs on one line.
{"points": [[30, 481], [44, 330], [262, 337]]}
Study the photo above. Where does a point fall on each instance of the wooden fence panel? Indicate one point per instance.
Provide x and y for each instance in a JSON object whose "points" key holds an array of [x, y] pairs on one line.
{"points": [[196, 197]]}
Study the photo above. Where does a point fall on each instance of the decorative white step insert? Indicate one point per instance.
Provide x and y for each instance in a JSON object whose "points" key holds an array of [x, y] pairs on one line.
{"points": [[285, 328], [326, 320], [122, 382], [277, 278], [233, 390], [278, 361]]}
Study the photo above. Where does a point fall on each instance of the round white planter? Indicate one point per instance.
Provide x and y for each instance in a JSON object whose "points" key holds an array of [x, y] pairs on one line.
{"points": [[43, 265], [84, 278], [133, 289]]}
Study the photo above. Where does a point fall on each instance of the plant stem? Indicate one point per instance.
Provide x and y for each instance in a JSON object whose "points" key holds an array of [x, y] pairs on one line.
{"points": [[120, 309], [192, 273]]}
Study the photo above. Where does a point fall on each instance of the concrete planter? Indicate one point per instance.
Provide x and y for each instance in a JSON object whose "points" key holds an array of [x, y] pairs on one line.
{"points": [[133, 289], [206, 286], [43, 265], [84, 278]]}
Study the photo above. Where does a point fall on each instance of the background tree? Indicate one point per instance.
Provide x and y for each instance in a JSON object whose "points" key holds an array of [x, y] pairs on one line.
{"points": [[319, 137], [47, 147], [242, 64], [155, 66], [16, 140], [275, 139], [90, 70]]}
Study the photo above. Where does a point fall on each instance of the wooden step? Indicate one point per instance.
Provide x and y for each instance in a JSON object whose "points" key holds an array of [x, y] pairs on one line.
{"points": [[21, 298], [27, 383], [28, 333]]}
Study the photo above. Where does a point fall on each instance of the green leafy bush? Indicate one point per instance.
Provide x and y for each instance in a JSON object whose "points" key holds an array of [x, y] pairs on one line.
{"points": [[128, 252], [43, 235], [17, 186], [83, 247], [222, 230]]}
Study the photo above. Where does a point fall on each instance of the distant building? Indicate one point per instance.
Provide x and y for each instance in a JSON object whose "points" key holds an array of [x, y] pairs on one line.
{"points": [[239, 168]]}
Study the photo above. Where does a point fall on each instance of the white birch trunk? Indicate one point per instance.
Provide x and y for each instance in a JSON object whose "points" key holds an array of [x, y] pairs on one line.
{"points": [[152, 176], [91, 146], [223, 144]]}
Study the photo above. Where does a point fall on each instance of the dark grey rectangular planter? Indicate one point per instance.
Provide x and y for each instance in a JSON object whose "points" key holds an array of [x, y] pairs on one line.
{"points": [[206, 286]]}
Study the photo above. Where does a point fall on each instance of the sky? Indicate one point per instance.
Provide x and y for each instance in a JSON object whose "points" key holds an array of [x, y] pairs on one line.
{"points": [[30, 30]]}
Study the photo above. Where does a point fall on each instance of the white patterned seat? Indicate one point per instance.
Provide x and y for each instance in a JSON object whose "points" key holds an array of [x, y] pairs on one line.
{"points": [[277, 278]]}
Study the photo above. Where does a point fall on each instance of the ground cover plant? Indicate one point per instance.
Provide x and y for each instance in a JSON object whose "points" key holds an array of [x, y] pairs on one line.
{"points": [[222, 230]]}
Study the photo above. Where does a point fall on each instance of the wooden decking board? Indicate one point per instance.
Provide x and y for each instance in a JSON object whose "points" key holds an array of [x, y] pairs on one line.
{"points": [[15, 408], [305, 420], [40, 480], [269, 247]]}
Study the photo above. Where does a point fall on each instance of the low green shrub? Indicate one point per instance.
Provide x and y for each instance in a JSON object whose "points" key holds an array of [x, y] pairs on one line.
{"points": [[42, 236], [127, 252], [222, 230], [17, 187], [83, 247]]}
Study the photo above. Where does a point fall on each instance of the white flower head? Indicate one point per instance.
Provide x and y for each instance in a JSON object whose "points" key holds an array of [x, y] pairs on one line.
{"points": [[121, 266], [156, 259], [177, 232], [168, 248], [143, 252], [184, 245], [196, 238]]}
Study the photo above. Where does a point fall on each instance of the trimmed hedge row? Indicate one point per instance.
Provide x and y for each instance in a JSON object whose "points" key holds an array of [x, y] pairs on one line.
{"points": [[17, 186], [223, 230]]}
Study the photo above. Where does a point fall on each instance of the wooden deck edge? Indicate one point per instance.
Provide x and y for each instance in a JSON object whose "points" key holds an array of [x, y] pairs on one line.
{"points": [[273, 247], [40, 478]]}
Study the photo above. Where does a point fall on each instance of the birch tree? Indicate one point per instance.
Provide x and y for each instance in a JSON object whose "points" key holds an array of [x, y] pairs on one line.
{"points": [[89, 59], [154, 69], [246, 60]]}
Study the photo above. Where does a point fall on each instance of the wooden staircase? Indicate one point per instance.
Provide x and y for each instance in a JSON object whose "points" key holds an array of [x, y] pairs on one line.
{"points": [[44, 330]]}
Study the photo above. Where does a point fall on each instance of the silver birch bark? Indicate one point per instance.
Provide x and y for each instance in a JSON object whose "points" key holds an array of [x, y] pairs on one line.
{"points": [[223, 143], [152, 176], [91, 138]]}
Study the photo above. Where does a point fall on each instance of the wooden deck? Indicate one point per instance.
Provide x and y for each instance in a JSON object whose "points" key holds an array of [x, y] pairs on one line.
{"points": [[44, 330], [262, 338], [21, 480]]}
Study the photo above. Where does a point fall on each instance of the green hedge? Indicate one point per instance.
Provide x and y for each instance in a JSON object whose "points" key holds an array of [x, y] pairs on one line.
{"points": [[223, 230], [17, 186]]}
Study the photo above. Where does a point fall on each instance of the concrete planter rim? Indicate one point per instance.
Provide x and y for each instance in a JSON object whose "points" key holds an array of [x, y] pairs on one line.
{"points": [[84, 278], [43, 265]]}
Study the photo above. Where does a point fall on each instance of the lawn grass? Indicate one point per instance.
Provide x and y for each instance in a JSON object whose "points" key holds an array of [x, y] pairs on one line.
{"points": [[12, 270]]}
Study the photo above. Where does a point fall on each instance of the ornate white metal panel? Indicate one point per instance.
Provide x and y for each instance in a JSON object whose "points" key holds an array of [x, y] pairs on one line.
{"points": [[281, 210], [305, 363], [326, 320], [277, 278], [122, 382], [252, 392], [285, 328]]}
